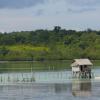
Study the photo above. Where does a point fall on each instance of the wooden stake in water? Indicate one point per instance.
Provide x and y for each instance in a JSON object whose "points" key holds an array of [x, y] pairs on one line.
{"points": [[31, 74], [1, 79], [8, 78], [17, 79], [22, 77]]}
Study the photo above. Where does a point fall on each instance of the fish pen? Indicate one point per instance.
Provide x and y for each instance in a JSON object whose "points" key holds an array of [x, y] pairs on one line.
{"points": [[33, 76], [17, 77]]}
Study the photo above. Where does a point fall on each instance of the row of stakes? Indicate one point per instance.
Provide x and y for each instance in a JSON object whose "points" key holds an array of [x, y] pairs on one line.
{"points": [[23, 78], [16, 79]]}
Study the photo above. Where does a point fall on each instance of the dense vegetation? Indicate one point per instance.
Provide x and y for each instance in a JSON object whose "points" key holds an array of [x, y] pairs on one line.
{"points": [[56, 44]]}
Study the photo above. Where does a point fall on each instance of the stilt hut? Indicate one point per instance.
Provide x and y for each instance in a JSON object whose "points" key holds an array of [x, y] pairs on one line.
{"points": [[81, 68]]}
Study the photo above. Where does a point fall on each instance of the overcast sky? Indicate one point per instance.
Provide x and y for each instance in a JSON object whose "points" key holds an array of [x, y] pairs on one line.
{"points": [[22, 15]]}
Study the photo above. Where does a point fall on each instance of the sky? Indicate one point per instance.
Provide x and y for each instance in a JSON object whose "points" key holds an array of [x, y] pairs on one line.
{"points": [[27, 15]]}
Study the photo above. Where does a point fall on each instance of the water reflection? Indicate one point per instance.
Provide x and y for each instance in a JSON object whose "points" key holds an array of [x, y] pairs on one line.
{"points": [[32, 91], [80, 88], [51, 91], [61, 88]]}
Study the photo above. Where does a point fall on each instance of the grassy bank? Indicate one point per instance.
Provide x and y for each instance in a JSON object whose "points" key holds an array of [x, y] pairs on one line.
{"points": [[21, 66], [42, 53], [14, 66], [23, 53]]}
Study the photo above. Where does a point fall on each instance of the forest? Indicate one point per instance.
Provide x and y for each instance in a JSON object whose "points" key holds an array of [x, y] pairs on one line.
{"points": [[56, 44]]}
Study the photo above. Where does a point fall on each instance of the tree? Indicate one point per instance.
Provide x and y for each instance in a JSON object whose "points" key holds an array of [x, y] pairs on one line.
{"points": [[83, 45], [3, 51], [57, 29]]}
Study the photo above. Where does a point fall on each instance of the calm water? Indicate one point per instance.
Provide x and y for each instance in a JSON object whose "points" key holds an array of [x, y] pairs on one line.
{"points": [[17, 83]]}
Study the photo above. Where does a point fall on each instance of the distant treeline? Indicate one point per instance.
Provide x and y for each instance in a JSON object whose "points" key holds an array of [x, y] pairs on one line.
{"points": [[56, 44]]}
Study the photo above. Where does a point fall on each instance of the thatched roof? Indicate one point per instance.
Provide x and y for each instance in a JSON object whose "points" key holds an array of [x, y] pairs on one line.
{"points": [[81, 62]]}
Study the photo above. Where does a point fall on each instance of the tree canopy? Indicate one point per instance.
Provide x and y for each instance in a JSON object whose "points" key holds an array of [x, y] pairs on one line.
{"points": [[50, 44]]}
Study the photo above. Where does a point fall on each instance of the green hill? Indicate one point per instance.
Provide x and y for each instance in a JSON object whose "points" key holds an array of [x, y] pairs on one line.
{"points": [[56, 44]]}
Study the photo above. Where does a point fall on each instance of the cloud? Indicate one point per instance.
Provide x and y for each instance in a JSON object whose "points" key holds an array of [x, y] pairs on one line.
{"points": [[89, 3], [39, 12], [80, 10], [81, 6], [19, 3]]}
